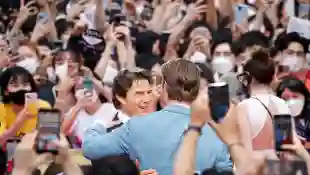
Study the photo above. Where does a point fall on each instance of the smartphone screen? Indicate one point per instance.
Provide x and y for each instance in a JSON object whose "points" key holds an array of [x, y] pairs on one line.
{"points": [[241, 13], [282, 130], [283, 69], [42, 16], [31, 102], [218, 100], [88, 85], [48, 130]]}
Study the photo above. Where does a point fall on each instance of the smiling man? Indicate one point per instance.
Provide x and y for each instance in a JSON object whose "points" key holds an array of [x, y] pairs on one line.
{"points": [[132, 92], [153, 139]]}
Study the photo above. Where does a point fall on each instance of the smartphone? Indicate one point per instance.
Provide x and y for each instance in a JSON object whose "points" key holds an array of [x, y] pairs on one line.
{"points": [[218, 100], [283, 130], [42, 16], [88, 85], [48, 127], [241, 13], [283, 69], [31, 102], [117, 19]]}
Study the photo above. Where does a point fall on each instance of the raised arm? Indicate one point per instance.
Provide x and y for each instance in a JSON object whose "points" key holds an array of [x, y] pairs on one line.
{"points": [[100, 18], [186, 156]]}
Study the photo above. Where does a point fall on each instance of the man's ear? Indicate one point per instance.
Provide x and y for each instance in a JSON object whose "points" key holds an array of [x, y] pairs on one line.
{"points": [[121, 99]]}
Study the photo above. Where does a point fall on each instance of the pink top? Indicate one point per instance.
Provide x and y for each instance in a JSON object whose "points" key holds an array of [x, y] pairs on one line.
{"points": [[265, 138]]}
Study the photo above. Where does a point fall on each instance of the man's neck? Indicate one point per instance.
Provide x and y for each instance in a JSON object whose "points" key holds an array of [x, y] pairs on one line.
{"points": [[259, 89], [171, 102]]}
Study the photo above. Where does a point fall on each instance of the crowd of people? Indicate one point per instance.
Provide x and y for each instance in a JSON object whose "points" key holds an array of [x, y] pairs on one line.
{"points": [[132, 80]]}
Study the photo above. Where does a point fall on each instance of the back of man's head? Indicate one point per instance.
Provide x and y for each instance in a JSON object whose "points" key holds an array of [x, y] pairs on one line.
{"points": [[182, 80]]}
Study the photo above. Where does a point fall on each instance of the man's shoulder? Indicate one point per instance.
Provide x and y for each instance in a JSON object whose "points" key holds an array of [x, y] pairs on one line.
{"points": [[208, 133], [144, 118], [151, 117]]}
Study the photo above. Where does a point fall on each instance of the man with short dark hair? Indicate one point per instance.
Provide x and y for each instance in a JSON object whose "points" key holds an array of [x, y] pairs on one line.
{"points": [[154, 139], [132, 91], [132, 96]]}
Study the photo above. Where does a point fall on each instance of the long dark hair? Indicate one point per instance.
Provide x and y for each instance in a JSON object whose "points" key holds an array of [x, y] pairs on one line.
{"points": [[295, 85], [15, 72]]}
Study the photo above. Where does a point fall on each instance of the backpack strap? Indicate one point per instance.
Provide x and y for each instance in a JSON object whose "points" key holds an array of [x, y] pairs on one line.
{"points": [[263, 106]]}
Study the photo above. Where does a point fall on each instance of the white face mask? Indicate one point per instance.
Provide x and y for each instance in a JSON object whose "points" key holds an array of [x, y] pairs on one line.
{"points": [[293, 63], [62, 71], [198, 57], [109, 75], [296, 106], [222, 64], [51, 74], [31, 64]]}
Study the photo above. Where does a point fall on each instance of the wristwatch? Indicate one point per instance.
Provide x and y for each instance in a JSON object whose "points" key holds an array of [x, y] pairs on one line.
{"points": [[193, 128]]}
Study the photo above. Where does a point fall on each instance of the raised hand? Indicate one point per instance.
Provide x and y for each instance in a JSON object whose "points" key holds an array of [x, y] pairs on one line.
{"points": [[228, 130], [25, 151], [297, 148], [195, 9], [76, 9], [172, 10], [26, 11], [200, 112], [201, 44]]}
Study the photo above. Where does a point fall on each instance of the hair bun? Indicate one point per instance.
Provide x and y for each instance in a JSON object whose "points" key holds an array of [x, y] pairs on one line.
{"points": [[261, 55]]}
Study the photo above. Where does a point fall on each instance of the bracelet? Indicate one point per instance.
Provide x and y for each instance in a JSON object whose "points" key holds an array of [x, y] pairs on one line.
{"points": [[193, 128]]}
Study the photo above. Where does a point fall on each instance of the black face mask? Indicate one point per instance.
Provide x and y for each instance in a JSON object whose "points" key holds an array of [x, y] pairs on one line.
{"points": [[18, 97]]}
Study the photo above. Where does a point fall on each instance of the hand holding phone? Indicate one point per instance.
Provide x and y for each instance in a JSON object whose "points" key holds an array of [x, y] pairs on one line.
{"points": [[48, 127], [218, 100], [283, 130], [31, 102], [241, 13]]}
